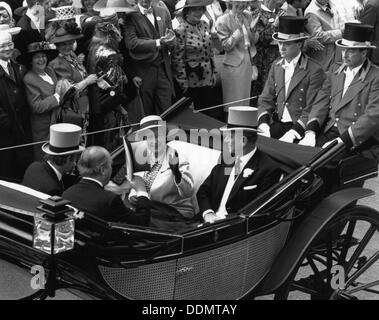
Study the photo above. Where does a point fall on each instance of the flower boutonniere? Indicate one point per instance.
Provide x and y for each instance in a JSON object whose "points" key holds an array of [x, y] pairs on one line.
{"points": [[247, 172]]}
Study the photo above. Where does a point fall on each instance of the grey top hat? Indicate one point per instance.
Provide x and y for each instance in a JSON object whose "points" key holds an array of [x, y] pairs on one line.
{"points": [[242, 118]]}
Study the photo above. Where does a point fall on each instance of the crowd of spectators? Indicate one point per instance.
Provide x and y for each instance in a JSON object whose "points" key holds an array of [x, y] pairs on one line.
{"points": [[88, 62]]}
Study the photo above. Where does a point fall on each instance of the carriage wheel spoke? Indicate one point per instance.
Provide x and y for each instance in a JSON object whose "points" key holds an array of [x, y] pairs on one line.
{"points": [[347, 241], [315, 269], [366, 266], [367, 237], [364, 287]]}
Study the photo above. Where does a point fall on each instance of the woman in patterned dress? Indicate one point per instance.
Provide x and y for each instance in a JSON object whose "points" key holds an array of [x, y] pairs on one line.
{"points": [[193, 57]]}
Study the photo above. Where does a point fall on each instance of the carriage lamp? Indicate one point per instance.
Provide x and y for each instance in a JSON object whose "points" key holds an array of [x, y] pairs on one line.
{"points": [[54, 226]]}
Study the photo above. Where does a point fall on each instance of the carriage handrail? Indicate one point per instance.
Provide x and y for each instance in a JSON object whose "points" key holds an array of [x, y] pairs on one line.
{"points": [[325, 155]]}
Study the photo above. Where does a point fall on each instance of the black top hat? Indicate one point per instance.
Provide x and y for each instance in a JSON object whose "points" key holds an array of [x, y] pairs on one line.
{"points": [[356, 35], [291, 28], [36, 47]]}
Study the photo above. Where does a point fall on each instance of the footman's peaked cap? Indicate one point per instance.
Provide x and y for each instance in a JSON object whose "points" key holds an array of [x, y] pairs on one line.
{"points": [[245, 118], [290, 29], [64, 139], [357, 35]]}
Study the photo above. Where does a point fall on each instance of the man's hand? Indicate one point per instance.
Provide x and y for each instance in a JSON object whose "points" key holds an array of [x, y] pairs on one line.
{"points": [[339, 140], [91, 79], [137, 81], [309, 139], [289, 136], [168, 38], [137, 183], [265, 130], [211, 217]]}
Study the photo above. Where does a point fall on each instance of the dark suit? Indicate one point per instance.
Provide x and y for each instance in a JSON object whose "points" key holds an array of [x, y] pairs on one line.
{"points": [[145, 60], [370, 15], [265, 174], [14, 125], [27, 34], [90, 197], [41, 177], [306, 81]]}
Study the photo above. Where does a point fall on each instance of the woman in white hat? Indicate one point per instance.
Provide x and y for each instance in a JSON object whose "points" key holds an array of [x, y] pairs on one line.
{"points": [[236, 30], [169, 180], [6, 15]]}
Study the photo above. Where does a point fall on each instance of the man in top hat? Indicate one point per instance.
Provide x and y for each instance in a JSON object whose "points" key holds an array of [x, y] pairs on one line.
{"points": [[229, 188], [14, 114], [148, 38], [346, 108], [61, 153], [292, 84]]}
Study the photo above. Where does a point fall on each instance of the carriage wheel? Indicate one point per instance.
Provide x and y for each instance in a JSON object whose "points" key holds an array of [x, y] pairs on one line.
{"points": [[342, 262]]}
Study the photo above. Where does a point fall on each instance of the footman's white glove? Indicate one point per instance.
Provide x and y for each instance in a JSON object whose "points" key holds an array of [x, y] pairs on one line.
{"points": [[289, 136], [265, 130], [309, 139]]}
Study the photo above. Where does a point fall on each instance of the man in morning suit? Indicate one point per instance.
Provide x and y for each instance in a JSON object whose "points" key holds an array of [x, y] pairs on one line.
{"points": [[291, 86], [95, 168], [60, 158], [229, 188], [148, 37], [347, 107]]}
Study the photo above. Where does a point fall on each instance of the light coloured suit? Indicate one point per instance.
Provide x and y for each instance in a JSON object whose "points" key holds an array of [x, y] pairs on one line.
{"points": [[327, 29], [165, 190], [305, 83], [237, 70], [356, 114]]}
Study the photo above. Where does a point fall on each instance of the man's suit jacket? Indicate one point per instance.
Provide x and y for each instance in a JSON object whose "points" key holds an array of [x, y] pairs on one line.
{"points": [[306, 81], [90, 197], [357, 111], [41, 177], [265, 174], [370, 16], [140, 41], [327, 29]]}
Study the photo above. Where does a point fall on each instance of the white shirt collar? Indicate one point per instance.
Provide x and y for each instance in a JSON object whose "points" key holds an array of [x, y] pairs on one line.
{"points": [[35, 20], [293, 62], [353, 71], [142, 9], [245, 158], [94, 180], [4, 65], [59, 175]]}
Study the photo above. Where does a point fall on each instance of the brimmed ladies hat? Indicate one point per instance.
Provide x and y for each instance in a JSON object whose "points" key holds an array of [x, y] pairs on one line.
{"points": [[64, 140], [64, 13], [7, 7], [37, 47], [242, 118], [196, 3], [357, 36], [115, 5], [11, 31], [290, 29], [62, 35]]}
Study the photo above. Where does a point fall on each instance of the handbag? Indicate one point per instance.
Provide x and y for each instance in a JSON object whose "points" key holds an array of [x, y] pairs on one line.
{"points": [[67, 114]]}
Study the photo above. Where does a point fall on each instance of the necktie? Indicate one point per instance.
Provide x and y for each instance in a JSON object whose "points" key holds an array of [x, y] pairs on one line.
{"points": [[148, 11], [150, 176], [11, 72]]}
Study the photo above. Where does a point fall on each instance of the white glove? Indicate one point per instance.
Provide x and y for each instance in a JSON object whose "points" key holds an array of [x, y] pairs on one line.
{"points": [[329, 142], [211, 217], [265, 130], [289, 136], [309, 139]]}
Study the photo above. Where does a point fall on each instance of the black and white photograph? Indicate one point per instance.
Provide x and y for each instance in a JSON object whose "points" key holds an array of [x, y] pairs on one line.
{"points": [[196, 158]]}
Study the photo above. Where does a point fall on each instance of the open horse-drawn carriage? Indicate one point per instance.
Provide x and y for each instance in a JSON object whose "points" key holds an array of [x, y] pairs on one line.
{"points": [[297, 236]]}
